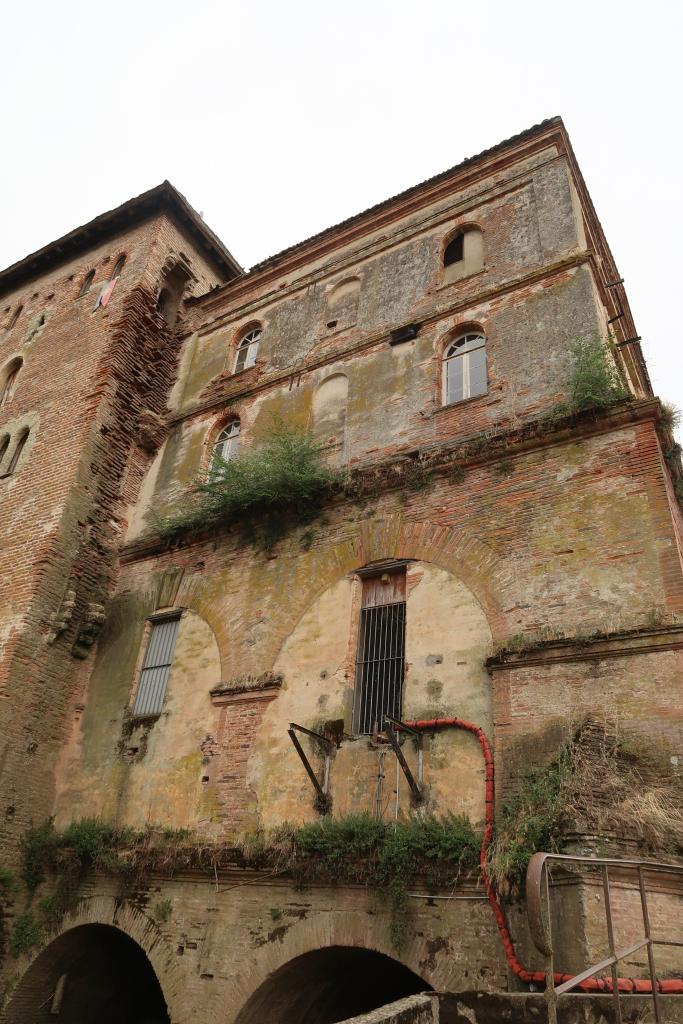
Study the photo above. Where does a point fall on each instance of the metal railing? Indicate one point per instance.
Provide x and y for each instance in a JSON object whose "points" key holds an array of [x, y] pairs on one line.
{"points": [[538, 908]]}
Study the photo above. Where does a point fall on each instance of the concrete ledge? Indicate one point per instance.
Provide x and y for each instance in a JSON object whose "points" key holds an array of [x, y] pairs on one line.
{"points": [[421, 1009], [530, 1008]]}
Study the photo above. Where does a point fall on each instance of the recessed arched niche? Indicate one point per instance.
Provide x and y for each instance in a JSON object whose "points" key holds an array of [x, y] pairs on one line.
{"points": [[447, 641], [342, 304], [328, 411]]}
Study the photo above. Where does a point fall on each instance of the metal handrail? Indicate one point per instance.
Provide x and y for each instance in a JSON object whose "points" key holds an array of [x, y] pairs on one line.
{"points": [[538, 909]]}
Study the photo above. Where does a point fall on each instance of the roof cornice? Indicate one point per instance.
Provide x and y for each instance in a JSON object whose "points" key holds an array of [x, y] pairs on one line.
{"points": [[163, 199], [388, 210]]}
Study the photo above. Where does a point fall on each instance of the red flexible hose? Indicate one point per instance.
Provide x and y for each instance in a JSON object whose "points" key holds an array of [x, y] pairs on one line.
{"points": [[668, 986]]}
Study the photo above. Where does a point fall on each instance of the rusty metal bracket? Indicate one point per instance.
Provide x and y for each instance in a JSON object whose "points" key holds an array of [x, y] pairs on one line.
{"points": [[320, 788], [393, 739]]}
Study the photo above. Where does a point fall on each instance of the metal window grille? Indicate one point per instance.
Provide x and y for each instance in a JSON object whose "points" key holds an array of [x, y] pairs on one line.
{"points": [[380, 665], [149, 698]]}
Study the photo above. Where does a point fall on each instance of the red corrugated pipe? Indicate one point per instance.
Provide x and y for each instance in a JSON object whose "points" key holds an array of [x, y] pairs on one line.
{"points": [[668, 986]]}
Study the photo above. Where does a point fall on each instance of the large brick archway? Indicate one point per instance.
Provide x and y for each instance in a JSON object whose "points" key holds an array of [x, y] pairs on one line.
{"points": [[329, 984], [105, 963]]}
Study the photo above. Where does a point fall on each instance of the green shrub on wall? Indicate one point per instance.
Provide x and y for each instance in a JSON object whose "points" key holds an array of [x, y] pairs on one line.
{"points": [[285, 476], [594, 381]]}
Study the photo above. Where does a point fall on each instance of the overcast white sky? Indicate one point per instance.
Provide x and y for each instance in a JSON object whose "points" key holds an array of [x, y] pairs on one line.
{"points": [[279, 119]]}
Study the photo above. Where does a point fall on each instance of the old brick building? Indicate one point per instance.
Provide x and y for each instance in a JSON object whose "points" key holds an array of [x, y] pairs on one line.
{"points": [[492, 556]]}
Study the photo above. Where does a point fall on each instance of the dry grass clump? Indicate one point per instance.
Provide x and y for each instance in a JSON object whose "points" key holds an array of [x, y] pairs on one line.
{"points": [[602, 785]]}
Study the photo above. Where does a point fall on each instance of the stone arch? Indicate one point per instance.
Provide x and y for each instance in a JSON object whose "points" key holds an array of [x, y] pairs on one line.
{"points": [[99, 931], [324, 935]]}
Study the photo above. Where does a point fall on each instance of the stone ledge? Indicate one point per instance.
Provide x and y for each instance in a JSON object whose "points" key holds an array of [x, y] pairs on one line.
{"points": [[648, 640]]}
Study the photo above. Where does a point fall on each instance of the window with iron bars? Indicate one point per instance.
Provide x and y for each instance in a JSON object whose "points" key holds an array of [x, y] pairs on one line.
{"points": [[380, 660], [156, 667]]}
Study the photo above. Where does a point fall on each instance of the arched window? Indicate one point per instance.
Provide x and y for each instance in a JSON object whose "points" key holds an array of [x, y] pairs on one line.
{"points": [[19, 447], [15, 316], [118, 267], [464, 254], [454, 251], [87, 281], [171, 290], [247, 349], [464, 368], [4, 445], [225, 447], [8, 380]]}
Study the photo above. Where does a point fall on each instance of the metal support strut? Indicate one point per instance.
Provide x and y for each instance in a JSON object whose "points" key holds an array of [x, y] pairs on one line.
{"points": [[320, 788], [393, 739]]}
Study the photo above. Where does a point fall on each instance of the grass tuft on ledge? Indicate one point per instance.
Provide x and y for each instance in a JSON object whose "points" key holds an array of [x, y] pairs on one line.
{"points": [[285, 477]]}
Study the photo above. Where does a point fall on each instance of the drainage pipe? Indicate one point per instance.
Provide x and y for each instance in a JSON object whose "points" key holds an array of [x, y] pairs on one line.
{"points": [[669, 986]]}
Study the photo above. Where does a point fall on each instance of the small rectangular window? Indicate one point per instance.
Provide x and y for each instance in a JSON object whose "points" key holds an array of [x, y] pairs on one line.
{"points": [[380, 661], [149, 698]]}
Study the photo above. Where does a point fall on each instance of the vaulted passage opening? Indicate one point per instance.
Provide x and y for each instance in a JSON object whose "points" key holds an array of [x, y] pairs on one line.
{"points": [[330, 985], [93, 974]]}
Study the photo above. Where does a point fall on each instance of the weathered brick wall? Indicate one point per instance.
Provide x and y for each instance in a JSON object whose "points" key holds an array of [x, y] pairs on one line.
{"points": [[88, 375], [546, 529]]}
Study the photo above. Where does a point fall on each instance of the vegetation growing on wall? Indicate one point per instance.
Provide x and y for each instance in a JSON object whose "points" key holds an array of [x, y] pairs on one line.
{"points": [[279, 482], [64, 857], [358, 849], [594, 381], [364, 850], [600, 784]]}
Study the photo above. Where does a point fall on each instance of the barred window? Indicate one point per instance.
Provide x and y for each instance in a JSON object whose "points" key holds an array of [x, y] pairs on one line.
{"points": [[464, 369], [149, 698], [380, 661]]}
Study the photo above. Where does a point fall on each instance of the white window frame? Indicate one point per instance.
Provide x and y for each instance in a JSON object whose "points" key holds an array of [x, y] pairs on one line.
{"points": [[247, 350], [462, 348], [225, 445]]}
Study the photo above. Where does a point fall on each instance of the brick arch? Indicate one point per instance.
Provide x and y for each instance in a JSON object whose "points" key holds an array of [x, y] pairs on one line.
{"points": [[133, 923], [327, 930], [308, 575], [454, 549]]}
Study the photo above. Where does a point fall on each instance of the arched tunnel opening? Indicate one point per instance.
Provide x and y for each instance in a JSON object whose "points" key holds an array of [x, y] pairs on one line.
{"points": [[330, 985], [92, 974]]}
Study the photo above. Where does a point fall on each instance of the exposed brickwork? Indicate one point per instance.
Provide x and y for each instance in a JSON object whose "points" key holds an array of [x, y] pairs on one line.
{"points": [[512, 521]]}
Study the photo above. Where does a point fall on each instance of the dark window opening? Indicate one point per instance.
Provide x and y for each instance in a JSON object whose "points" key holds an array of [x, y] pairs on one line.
{"points": [[118, 267], [15, 316], [380, 661], [454, 252], [21, 441], [87, 281]]}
